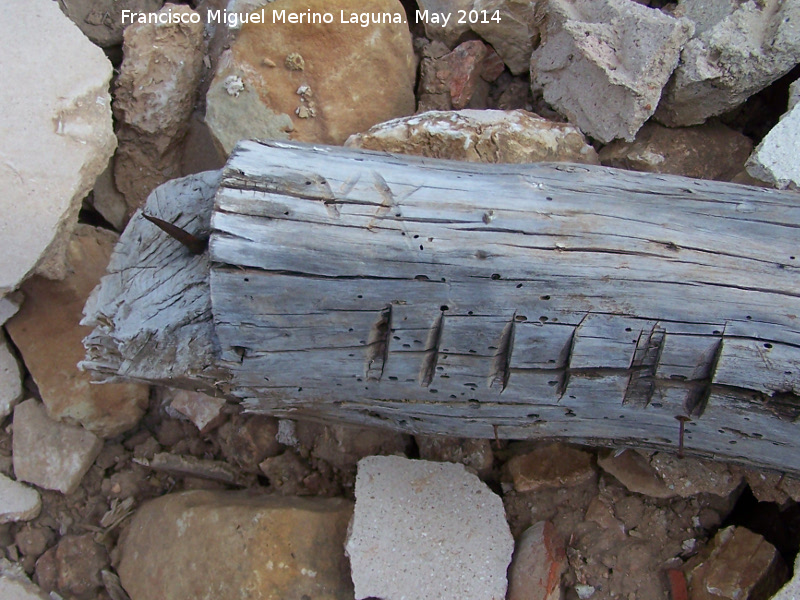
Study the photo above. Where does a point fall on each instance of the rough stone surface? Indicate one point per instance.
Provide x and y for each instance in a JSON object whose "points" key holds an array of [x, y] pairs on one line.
{"points": [[154, 100], [474, 454], [201, 409], [634, 471], [451, 32], [101, 20], [775, 158], [15, 585], [246, 440], [277, 548], [72, 567], [603, 63], [737, 565], [55, 134], [538, 563], [9, 306], [771, 487], [710, 151], [741, 49], [441, 524], [48, 336], [514, 35], [17, 502], [10, 379], [491, 136], [791, 591], [108, 201], [313, 82], [553, 465], [49, 454], [450, 81]]}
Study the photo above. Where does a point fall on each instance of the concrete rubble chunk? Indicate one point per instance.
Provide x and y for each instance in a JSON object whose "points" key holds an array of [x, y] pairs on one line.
{"points": [[101, 20], [736, 565], [553, 465], [491, 136], [513, 33], [791, 591], [313, 82], [775, 159], [602, 63], [708, 151], [538, 563], [426, 530], [47, 333], [49, 454], [740, 49], [450, 32], [17, 502], [154, 100], [275, 547], [56, 134], [15, 585], [10, 379]]}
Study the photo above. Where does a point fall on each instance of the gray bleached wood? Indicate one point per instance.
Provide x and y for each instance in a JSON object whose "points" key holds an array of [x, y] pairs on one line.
{"points": [[519, 301]]}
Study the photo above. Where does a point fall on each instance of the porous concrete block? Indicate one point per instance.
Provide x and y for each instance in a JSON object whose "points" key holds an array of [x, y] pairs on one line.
{"points": [[602, 63]]}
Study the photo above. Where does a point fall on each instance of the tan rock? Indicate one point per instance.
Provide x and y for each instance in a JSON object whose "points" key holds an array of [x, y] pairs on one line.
{"points": [[553, 465], [154, 100], [634, 471], [262, 547], [513, 33], [201, 409], [538, 563], [491, 136], [350, 77], [435, 28], [771, 487], [101, 20], [710, 151], [107, 200], [56, 134], [48, 336], [475, 454]]}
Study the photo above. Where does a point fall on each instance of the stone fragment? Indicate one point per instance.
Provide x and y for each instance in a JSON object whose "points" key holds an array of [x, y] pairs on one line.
{"points": [[154, 100], [291, 475], [426, 530], [791, 591], [15, 585], [359, 76], [771, 487], [17, 502], [246, 440], [794, 94], [273, 547], [56, 134], [49, 454], [775, 159], [201, 409], [491, 136], [538, 563], [709, 151], [740, 49], [449, 33], [634, 471], [602, 63], [450, 81], [101, 20], [73, 567], [510, 27], [475, 454], [48, 335], [549, 466], [9, 306], [107, 200], [736, 565], [189, 466], [10, 379]]}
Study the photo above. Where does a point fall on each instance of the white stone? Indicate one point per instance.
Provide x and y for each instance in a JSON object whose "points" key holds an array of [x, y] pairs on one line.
{"points": [[17, 502], [794, 94], [791, 590], [49, 454], [426, 530], [775, 159], [10, 379], [15, 585], [56, 134], [9, 306]]}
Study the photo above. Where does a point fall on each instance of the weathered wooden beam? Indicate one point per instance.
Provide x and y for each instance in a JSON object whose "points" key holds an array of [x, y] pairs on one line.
{"points": [[518, 301]]}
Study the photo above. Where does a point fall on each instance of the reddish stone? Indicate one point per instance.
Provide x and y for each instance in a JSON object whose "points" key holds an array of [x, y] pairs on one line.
{"points": [[538, 563]]}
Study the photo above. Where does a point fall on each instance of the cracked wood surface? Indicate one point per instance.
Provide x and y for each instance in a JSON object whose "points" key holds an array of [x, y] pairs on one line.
{"points": [[519, 301]]}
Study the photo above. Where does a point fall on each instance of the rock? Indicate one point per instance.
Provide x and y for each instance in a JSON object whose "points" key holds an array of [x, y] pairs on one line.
{"points": [[313, 82], [771, 487], [426, 530], [709, 151], [48, 336], [775, 159], [57, 134], [736, 565], [201, 409], [550, 466], [17, 502], [794, 94], [474, 454], [246, 440], [634, 471], [741, 48], [107, 200], [791, 591], [189, 466], [449, 33], [490, 136], [33, 541], [274, 547], [10, 379], [9, 306], [602, 63], [49, 454], [154, 101], [291, 475], [15, 585], [101, 20], [512, 32], [450, 81], [73, 567], [538, 563]]}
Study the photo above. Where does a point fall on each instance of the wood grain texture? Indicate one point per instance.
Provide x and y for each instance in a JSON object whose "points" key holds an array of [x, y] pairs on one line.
{"points": [[523, 301]]}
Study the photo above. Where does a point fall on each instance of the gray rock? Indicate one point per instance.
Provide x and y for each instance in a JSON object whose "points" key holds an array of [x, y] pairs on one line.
{"points": [[426, 530], [748, 48], [513, 35], [451, 32], [10, 379], [49, 454], [602, 63], [15, 585], [790, 591], [9, 306], [775, 158], [101, 20], [17, 502]]}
